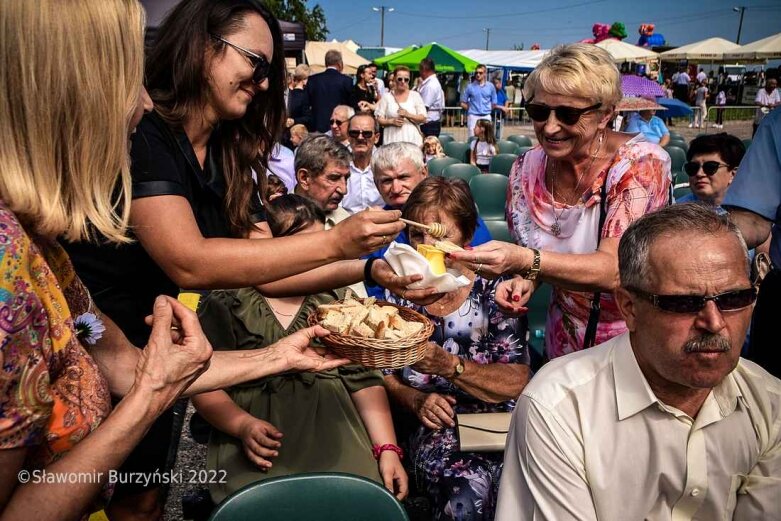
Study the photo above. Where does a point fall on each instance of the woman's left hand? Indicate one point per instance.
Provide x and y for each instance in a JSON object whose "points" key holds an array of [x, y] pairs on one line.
{"points": [[384, 275], [393, 474], [436, 361], [495, 258]]}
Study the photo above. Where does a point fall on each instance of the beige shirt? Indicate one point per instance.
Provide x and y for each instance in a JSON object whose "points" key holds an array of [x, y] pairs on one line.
{"points": [[331, 220], [589, 440]]}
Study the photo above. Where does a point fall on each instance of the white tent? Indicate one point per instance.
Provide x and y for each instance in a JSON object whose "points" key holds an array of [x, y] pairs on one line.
{"points": [[315, 56], [712, 49], [623, 52], [765, 49], [520, 60]]}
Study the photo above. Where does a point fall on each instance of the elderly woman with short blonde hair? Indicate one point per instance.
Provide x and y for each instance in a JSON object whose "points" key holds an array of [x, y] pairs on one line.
{"points": [[571, 198]]}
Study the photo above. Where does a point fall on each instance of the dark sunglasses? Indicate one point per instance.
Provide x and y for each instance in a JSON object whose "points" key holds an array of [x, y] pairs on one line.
{"points": [[355, 134], [728, 301], [260, 65], [566, 115], [692, 168], [403, 80], [336, 122]]}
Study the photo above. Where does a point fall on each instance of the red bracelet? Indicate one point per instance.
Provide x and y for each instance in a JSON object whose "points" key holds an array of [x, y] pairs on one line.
{"points": [[379, 449]]}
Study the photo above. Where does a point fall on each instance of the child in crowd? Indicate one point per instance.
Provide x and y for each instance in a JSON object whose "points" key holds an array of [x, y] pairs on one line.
{"points": [[274, 187], [484, 147], [298, 133], [432, 148], [294, 422]]}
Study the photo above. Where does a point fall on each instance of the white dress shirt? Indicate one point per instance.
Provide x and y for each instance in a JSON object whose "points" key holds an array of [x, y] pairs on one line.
{"points": [[433, 97], [361, 190], [589, 440]]}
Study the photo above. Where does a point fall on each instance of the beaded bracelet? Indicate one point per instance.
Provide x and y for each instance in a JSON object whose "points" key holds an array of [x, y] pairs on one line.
{"points": [[379, 449]]}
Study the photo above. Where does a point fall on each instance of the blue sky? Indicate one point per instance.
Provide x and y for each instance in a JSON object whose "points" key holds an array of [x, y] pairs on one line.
{"points": [[460, 23]]}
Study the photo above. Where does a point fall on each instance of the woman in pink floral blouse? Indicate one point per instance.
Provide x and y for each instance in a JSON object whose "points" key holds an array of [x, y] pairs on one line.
{"points": [[571, 198]]}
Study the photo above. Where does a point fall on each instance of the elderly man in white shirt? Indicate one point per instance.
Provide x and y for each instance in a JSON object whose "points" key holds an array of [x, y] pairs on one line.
{"points": [[666, 422], [363, 132], [433, 97]]}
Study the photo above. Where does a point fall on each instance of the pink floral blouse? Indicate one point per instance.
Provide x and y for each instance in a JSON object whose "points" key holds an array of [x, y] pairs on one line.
{"points": [[638, 182]]}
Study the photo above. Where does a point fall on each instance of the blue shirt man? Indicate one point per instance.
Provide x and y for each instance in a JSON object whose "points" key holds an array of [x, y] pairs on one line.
{"points": [[652, 127], [478, 99]]}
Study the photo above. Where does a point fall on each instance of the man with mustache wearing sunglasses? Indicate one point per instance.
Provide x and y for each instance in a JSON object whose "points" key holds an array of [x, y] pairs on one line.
{"points": [[363, 132], [665, 421]]}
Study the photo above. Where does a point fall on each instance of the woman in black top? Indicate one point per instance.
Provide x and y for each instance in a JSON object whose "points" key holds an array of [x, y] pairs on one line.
{"points": [[298, 110], [364, 96], [216, 77]]}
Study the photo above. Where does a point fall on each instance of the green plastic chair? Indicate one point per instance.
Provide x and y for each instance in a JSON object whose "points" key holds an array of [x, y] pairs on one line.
{"points": [[523, 150], [506, 147], [461, 171], [521, 140], [674, 134], [446, 138], [470, 139], [680, 191], [537, 315], [438, 164], [490, 194], [680, 144], [747, 143], [502, 164], [499, 231], [304, 497], [457, 150], [678, 157]]}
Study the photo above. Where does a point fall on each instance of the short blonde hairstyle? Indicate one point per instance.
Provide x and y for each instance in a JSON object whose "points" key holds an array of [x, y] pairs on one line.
{"points": [[580, 70], [301, 72], [299, 130], [70, 77]]}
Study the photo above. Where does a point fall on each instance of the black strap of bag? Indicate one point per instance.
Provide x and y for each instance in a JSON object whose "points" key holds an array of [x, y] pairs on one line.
{"points": [[593, 317]]}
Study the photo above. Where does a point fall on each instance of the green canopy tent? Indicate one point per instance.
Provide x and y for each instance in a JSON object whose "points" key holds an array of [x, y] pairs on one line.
{"points": [[446, 59]]}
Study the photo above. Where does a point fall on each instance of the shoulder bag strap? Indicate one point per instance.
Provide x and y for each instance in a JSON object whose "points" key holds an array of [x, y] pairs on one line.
{"points": [[593, 317]]}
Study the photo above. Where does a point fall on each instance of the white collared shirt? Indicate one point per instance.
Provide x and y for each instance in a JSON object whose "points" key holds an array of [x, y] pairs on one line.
{"points": [[433, 97], [361, 190], [589, 440]]}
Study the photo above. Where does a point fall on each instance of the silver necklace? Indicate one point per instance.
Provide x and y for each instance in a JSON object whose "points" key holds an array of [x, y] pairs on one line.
{"points": [[555, 228]]}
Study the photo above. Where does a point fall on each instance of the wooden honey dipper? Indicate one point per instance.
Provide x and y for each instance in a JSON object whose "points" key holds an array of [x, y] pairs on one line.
{"points": [[436, 230]]}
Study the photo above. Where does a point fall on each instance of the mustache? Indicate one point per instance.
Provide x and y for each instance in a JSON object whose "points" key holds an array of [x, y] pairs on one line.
{"points": [[707, 343]]}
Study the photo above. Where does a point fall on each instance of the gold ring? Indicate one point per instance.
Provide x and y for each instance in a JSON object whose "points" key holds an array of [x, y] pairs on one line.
{"points": [[403, 292], [384, 238], [479, 267]]}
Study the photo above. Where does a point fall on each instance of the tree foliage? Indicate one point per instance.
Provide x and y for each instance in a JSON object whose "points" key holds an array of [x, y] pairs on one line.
{"points": [[297, 11]]}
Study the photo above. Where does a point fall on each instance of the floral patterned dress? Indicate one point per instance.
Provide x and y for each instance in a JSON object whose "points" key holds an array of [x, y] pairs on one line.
{"points": [[464, 485], [52, 394], [638, 182]]}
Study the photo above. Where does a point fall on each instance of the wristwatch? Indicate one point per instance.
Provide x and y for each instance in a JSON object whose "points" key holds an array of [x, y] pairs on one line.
{"points": [[534, 270], [459, 368]]}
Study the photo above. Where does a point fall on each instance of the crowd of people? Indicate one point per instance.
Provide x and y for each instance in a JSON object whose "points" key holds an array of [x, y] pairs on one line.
{"points": [[170, 174]]}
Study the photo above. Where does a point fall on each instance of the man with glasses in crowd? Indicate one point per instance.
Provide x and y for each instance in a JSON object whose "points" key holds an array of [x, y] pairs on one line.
{"points": [[433, 97], [478, 99], [340, 118], [363, 132], [665, 421]]}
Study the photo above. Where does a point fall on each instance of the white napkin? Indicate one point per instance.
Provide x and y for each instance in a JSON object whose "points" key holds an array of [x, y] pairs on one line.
{"points": [[406, 261]]}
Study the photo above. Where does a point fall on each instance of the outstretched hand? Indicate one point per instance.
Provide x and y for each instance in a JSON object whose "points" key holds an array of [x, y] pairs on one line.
{"points": [[494, 259], [296, 353]]}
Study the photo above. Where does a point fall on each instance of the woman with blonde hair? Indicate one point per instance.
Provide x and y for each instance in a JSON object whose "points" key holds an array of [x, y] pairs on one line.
{"points": [[401, 111], [65, 173], [571, 198]]}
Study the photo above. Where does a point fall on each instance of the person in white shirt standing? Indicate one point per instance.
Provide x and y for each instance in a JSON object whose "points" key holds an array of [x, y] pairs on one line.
{"points": [[767, 99], [433, 97], [666, 421], [363, 133]]}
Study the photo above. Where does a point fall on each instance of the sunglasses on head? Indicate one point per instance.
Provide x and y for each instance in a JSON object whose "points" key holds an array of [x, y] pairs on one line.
{"points": [[336, 122], [567, 115], [727, 301], [260, 65], [692, 168], [403, 80], [355, 134]]}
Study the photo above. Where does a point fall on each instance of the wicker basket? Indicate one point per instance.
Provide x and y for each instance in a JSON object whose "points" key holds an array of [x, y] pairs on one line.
{"points": [[381, 353]]}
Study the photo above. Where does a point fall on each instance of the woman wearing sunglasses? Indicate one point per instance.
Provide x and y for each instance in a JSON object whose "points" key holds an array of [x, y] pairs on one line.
{"points": [[712, 162], [571, 198], [216, 76], [401, 111]]}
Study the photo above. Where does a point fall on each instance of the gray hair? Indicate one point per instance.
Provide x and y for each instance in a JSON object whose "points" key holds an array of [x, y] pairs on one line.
{"points": [[389, 156], [333, 58], [314, 153], [637, 241], [301, 72], [347, 109]]}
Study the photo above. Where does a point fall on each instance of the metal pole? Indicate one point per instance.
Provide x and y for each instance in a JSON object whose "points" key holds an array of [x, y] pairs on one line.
{"points": [[487, 36], [742, 10], [382, 26]]}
